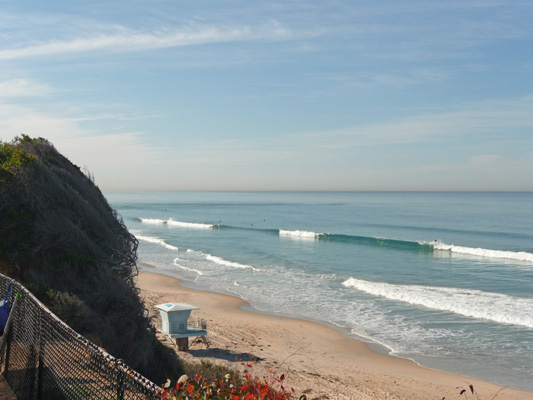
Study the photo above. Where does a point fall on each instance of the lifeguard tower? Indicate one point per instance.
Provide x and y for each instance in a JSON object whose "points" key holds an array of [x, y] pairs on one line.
{"points": [[174, 317]]}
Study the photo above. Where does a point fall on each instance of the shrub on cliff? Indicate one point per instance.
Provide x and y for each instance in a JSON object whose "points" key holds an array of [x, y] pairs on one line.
{"points": [[60, 237]]}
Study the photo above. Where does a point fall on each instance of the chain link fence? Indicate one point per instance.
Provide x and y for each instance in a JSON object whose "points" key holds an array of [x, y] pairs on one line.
{"points": [[45, 359]]}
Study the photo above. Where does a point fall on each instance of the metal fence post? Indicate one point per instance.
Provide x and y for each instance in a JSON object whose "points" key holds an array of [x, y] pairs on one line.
{"points": [[40, 358], [8, 352], [40, 369], [120, 380]]}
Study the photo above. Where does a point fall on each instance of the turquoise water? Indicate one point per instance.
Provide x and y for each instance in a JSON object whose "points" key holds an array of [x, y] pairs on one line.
{"points": [[445, 279]]}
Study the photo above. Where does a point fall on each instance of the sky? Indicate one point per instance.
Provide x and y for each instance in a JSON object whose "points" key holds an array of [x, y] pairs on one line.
{"points": [[275, 95]]}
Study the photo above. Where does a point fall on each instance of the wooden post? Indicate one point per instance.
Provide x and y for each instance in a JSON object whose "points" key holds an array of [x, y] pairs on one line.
{"points": [[183, 344]]}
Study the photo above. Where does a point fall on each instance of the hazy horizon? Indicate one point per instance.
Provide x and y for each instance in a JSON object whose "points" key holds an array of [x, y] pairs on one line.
{"points": [[318, 191], [342, 96]]}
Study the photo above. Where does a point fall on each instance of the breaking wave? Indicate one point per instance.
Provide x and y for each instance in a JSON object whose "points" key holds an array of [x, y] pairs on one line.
{"points": [[480, 252], [408, 245], [177, 264], [156, 240], [472, 303], [232, 264], [171, 222], [153, 221], [299, 234]]}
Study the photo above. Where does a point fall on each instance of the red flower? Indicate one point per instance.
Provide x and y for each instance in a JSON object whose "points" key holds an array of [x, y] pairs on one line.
{"points": [[264, 391]]}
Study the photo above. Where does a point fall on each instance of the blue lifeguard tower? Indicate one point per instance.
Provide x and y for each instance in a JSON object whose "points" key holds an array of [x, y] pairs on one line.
{"points": [[174, 317]]}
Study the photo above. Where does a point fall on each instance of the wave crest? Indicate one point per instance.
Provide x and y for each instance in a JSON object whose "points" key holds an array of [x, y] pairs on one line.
{"points": [[153, 221], [480, 252], [221, 261], [472, 303], [171, 222], [157, 240], [299, 234]]}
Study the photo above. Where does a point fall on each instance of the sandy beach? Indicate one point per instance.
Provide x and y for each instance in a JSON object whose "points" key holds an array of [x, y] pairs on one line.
{"points": [[317, 360]]}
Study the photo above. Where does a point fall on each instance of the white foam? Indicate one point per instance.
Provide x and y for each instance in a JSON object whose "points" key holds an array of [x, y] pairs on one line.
{"points": [[177, 264], [221, 261], [193, 225], [480, 252], [156, 240], [494, 307], [180, 224], [299, 234], [153, 221]]}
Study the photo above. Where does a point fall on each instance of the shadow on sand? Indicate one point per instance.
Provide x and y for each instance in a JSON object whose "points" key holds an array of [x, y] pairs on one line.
{"points": [[222, 354]]}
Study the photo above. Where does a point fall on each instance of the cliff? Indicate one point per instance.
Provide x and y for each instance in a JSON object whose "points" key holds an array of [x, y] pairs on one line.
{"points": [[60, 237]]}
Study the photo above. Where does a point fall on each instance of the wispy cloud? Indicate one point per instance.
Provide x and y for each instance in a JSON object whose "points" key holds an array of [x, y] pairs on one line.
{"points": [[484, 160], [127, 160], [22, 88], [489, 118], [124, 40], [100, 152]]}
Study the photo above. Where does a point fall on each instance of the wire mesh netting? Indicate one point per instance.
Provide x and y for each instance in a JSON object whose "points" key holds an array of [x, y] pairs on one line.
{"points": [[45, 359]]}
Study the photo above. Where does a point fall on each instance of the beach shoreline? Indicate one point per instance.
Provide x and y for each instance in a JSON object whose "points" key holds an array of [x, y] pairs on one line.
{"points": [[317, 360]]}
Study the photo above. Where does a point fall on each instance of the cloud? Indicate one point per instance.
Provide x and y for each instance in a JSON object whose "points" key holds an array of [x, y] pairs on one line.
{"points": [[485, 160], [127, 160], [22, 88], [337, 160], [124, 40], [112, 158], [486, 119]]}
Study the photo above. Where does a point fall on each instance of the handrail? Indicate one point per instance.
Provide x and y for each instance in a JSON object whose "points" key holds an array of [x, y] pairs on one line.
{"points": [[3, 340]]}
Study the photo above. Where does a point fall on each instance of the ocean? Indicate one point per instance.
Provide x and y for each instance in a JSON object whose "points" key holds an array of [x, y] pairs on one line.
{"points": [[442, 278]]}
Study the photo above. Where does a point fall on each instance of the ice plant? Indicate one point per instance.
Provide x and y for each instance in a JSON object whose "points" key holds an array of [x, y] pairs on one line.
{"points": [[235, 386]]}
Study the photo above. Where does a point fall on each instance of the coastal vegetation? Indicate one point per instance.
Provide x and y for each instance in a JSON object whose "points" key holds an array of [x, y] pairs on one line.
{"points": [[220, 383], [62, 240]]}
